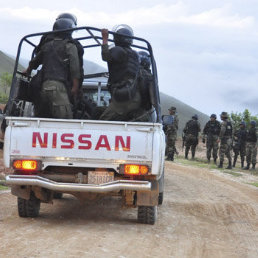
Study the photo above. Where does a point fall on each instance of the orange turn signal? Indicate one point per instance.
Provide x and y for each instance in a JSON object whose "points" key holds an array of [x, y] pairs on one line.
{"points": [[28, 165], [132, 169]]}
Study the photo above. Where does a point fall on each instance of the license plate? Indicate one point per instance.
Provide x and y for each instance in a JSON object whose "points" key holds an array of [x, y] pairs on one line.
{"points": [[100, 177]]}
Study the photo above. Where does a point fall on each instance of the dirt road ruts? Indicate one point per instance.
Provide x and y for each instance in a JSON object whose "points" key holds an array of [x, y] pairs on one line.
{"points": [[203, 215]]}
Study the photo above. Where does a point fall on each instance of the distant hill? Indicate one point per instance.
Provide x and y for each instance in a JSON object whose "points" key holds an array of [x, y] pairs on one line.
{"points": [[185, 112], [7, 63]]}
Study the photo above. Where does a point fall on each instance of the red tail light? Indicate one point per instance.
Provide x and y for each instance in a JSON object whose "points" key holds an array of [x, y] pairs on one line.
{"points": [[134, 169], [27, 165]]}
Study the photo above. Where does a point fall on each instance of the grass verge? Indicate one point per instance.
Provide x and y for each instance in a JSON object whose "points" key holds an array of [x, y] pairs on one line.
{"points": [[254, 184]]}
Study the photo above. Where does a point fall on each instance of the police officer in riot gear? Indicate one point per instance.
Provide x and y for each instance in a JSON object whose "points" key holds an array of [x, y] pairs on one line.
{"points": [[210, 136], [239, 144], [60, 73], [61, 21], [123, 66], [191, 132], [225, 139]]}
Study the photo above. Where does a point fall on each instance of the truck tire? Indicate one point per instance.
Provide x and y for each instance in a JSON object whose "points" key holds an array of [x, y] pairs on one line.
{"points": [[161, 188], [161, 196], [28, 208], [58, 195], [147, 214]]}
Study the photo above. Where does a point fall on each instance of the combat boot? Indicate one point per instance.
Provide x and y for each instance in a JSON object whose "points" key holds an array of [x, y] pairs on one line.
{"points": [[172, 156], [229, 165], [209, 160], [253, 166], [220, 164], [234, 163], [247, 166], [215, 160], [242, 164], [186, 154]]}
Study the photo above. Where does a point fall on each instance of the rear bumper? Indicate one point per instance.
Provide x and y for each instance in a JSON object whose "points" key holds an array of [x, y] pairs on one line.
{"points": [[31, 180]]}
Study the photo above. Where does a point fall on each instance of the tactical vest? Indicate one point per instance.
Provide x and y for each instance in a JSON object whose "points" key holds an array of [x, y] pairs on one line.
{"points": [[192, 127], [229, 129], [213, 128], [55, 62], [251, 135], [145, 80], [80, 55], [126, 69]]}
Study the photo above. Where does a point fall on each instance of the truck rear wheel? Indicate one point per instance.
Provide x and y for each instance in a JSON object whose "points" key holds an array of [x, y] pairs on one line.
{"points": [[147, 214], [161, 196], [58, 195], [28, 208]]}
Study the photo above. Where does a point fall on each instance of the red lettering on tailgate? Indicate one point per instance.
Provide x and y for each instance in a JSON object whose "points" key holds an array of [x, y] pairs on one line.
{"points": [[54, 140], [119, 139], [105, 143], [36, 136], [87, 143], [64, 139]]}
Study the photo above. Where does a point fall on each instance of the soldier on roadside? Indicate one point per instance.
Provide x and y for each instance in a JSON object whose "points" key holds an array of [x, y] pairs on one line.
{"points": [[251, 146], [239, 144], [171, 134], [191, 132], [225, 139], [210, 136]]}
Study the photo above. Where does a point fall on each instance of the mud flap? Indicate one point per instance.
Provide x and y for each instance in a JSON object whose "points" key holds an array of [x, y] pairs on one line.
{"points": [[149, 198]]}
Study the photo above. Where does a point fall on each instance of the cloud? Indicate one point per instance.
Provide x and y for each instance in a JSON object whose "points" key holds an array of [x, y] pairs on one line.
{"points": [[177, 13]]}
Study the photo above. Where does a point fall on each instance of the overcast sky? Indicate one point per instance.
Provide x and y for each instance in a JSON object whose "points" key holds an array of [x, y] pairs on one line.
{"points": [[206, 50]]}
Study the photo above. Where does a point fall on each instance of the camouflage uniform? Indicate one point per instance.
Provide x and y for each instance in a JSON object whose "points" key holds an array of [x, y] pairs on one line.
{"points": [[251, 147], [171, 136], [191, 131], [211, 134], [225, 141], [53, 97], [239, 145]]}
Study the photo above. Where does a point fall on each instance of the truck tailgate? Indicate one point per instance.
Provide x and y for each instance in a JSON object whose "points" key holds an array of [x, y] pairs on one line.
{"points": [[76, 142]]}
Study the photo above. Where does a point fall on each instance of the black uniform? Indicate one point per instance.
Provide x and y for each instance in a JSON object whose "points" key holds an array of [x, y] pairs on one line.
{"points": [[239, 145], [191, 131]]}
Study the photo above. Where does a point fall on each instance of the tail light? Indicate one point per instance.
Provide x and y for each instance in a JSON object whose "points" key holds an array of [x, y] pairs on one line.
{"points": [[27, 165], [135, 169]]}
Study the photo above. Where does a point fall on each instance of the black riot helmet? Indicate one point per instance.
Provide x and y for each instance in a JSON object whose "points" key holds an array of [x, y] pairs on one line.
{"points": [[144, 59], [68, 16], [63, 24], [120, 36]]}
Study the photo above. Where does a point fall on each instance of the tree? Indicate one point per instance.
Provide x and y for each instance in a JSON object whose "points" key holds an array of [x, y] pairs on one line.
{"points": [[246, 116], [5, 81]]}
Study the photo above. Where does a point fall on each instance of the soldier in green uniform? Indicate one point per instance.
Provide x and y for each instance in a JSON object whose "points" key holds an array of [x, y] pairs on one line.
{"points": [[251, 145], [225, 139], [171, 134], [210, 135], [60, 73], [239, 144], [191, 132], [123, 66]]}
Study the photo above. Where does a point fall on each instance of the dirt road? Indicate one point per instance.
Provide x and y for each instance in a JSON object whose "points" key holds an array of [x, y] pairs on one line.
{"points": [[203, 215]]}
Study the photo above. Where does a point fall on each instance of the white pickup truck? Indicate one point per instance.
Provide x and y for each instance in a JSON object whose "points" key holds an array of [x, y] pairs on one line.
{"points": [[84, 157]]}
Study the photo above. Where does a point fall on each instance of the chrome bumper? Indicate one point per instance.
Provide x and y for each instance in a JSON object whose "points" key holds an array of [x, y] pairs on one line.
{"points": [[73, 187]]}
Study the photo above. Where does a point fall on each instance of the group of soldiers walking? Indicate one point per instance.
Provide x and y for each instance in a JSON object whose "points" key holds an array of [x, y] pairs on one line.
{"points": [[220, 139]]}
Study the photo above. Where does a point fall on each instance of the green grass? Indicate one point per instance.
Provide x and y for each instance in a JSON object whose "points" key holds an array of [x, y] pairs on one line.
{"points": [[202, 163], [2, 187], [254, 184]]}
